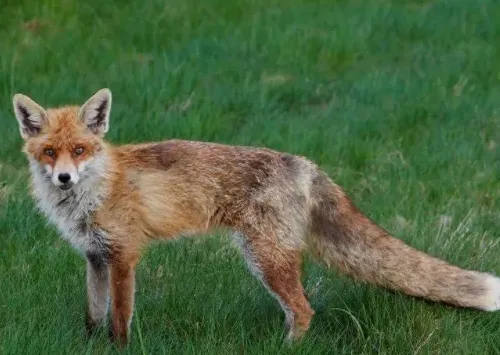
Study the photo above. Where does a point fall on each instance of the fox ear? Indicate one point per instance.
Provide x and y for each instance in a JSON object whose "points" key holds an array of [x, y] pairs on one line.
{"points": [[95, 112], [30, 116]]}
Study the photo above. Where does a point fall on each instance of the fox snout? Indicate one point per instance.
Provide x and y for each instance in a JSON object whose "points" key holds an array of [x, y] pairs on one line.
{"points": [[65, 180], [63, 176]]}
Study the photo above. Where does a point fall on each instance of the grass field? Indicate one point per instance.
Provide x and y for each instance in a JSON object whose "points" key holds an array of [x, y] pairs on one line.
{"points": [[398, 100]]}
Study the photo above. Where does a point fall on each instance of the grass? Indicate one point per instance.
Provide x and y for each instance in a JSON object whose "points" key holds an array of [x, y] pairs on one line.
{"points": [[398, 100]]}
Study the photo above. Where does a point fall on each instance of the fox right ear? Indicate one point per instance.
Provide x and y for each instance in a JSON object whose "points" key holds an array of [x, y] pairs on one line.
{"points": [[95, 112], [30, 116]]}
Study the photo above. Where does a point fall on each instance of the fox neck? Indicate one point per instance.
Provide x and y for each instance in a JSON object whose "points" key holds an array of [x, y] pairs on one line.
{"points": [[72, 210]]}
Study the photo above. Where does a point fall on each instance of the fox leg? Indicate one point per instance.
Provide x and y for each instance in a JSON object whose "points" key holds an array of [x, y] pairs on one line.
{"points": [[122, 300], [97, 291], [279, 271]]}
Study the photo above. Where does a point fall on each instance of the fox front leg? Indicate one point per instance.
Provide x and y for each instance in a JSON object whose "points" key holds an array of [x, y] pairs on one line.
{"points": [[97, 291], [122, 301]]}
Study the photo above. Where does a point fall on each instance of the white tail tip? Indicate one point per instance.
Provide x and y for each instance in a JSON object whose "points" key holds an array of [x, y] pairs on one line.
{"points": [[491, 301]]}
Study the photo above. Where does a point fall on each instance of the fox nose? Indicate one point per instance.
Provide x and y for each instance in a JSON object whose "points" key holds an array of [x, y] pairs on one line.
{"points": [[64, 177]]}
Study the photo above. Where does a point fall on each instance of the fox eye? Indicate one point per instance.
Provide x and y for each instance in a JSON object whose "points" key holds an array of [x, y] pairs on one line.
{"points": [[49, 152], [78, 150]]}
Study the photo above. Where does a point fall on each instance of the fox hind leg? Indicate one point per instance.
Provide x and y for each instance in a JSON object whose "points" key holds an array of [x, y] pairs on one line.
{"points": [[279, 271]]}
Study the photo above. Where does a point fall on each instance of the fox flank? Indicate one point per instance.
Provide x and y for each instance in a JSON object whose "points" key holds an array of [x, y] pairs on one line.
{"points": [[110, 202]]}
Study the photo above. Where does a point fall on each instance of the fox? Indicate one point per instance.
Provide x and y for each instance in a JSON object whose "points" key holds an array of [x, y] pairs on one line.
{"points": [[111, 201]]}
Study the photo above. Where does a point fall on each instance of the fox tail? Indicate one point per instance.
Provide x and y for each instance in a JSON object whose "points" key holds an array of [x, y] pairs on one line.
{"points": [[345, 238]]}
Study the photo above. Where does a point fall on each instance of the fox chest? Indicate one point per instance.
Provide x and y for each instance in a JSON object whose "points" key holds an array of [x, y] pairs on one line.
{"points": [[72, 214], [81, 232]]}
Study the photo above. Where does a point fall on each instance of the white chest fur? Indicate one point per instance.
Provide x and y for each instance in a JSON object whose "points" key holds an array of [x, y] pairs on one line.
{"points": [[72, 210]]}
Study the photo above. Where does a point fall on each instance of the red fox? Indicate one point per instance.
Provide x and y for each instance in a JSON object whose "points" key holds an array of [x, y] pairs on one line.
{"points": [[110, 201]]}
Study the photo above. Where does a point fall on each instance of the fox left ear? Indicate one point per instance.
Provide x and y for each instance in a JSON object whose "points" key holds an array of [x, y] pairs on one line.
{"points": [[95, 112], [30, 116]]}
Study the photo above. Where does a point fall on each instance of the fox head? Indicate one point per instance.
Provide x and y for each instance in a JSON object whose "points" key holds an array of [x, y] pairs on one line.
{"points": [[63, 143]]}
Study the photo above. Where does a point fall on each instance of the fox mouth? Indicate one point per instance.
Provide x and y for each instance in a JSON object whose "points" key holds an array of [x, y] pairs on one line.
{"points": [[66, 186]]}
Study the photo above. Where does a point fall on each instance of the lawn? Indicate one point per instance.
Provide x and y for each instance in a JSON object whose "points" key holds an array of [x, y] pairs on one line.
{"points": [[398, 100]]}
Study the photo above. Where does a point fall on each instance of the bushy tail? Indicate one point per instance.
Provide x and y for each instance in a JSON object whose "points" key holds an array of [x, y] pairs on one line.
{"points": [[344, 237]]}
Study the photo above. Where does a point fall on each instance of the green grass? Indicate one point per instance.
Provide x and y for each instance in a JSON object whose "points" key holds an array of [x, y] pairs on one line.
{"points": [[398, 100]]}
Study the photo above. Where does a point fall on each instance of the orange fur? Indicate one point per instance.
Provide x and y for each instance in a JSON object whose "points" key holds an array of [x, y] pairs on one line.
{"points": [[277, 204]]}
